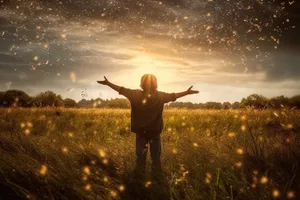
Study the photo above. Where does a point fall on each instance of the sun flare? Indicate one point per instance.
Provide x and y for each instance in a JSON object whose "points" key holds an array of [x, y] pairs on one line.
{"points": [[165, 71]]}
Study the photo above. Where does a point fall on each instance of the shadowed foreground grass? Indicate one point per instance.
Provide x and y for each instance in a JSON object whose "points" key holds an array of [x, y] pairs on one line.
{"points": [[89, 154]]}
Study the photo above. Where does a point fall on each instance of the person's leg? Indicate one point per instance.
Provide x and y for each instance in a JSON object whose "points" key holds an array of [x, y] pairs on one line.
{"points": [[141, 148], [155, 149]]}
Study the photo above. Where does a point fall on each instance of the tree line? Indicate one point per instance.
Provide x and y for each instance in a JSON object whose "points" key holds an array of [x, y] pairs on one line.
{"points": [[18, 98]]}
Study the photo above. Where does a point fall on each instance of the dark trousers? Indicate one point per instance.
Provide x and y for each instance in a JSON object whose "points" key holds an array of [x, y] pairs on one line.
{"points": [[141, 147]]}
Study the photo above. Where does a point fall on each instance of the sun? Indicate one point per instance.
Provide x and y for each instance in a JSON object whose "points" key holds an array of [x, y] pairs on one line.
{"points": [[145, 64]]}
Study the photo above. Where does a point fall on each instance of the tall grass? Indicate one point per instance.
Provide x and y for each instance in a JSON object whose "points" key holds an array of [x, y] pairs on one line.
{"points": [[89, 154]]}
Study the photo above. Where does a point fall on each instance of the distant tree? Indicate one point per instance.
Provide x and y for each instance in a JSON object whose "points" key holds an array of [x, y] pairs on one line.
{"points": [[278, 102], [48, 98], [118, 103], [70, 103], [1, 98], [213, 105], [226, 105], [295, 102], [15, 98], [236, 105], [255, 101]]}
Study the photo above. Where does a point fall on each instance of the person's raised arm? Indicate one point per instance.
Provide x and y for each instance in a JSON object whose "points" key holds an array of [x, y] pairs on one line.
{"points": [[187, 92], [111, 85]]}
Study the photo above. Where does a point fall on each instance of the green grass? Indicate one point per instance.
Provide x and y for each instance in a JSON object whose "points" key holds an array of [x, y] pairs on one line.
{"points": [[89, 154]]}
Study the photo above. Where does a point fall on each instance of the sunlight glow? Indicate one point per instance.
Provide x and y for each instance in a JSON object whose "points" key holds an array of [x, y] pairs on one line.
{"points": [[165, 71]]}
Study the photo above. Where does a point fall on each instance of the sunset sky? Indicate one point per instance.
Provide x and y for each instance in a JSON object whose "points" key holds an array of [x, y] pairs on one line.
{"points": [[225, 49]]}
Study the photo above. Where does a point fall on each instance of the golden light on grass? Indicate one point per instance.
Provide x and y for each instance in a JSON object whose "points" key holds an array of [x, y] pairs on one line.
{"points": [[113, 193], [43, 170], [105, 179], [195, 144], [121, 188], [174, 151], [64, 149], [105, 161], [29, 124], [240, 151], [289, 126], [243, 118], [243, 128], [86, 170], [63, 36], [291, 195], [101, 153], [276, 193], [88, 187], [22, 125], [264, 180], [27, 132], [147, 184], [70, 134], [238, 164], [231, 134]]}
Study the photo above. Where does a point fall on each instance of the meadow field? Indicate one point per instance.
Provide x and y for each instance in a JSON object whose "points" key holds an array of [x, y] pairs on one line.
{"points": [[57, 153]]}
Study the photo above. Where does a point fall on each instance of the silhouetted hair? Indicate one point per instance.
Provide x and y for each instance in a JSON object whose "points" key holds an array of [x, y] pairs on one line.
{"points": [[149, 83]]}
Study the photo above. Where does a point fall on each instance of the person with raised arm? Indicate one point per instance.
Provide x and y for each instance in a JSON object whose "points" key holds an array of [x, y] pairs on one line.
{"points": [[147, 117]]}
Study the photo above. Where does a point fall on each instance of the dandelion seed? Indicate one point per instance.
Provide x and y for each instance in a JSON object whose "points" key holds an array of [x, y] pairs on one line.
{"points": [[43, 170], [101, 153], [148, 183], [88, 187], [240, 151], [276, 193], [86, 170], [121, 188], [291, 195], [264, 180]]}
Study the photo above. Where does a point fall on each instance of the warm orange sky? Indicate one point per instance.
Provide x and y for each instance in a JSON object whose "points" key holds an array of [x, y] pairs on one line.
{"points": [[187, 44]]}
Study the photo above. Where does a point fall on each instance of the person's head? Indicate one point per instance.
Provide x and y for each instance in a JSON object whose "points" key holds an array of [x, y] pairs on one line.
{"points": [[149, 83]]}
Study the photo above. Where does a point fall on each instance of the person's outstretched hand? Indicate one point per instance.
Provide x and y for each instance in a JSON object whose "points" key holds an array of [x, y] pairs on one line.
{"points": [[190, 91], [105, 82]]}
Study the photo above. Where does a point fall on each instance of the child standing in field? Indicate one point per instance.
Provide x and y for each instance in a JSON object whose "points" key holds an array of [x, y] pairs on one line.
{"points": [[146, 117]]}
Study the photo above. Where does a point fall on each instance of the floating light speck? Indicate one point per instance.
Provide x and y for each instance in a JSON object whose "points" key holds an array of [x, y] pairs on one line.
{"points": [[86, 170], [264, 180], [148, 183], [276, 193], [88, 187], [43, 170], [121, 188]]}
